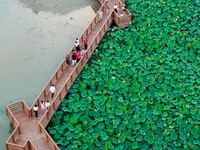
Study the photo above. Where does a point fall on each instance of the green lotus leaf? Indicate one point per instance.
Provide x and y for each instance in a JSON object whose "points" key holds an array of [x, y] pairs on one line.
{"points": [[73, 120], [134, 145]]}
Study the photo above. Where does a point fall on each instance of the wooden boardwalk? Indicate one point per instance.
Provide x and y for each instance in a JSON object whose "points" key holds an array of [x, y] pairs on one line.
{"points": [[30, 133]]}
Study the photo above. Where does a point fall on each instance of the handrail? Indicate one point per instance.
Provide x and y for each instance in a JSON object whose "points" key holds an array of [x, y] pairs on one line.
{"points": [[26, 108], [28, 145], [48, 137], [16, 132]]}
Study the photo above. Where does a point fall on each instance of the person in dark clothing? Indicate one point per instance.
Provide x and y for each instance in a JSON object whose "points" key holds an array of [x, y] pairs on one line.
{"points": [[35, 109], [74, 58]]}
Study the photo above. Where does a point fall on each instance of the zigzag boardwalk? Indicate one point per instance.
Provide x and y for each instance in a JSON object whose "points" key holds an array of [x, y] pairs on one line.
{"points": [[30, 133]]}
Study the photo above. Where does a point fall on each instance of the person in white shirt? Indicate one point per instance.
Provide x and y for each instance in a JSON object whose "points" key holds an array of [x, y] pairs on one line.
{"points": [[116, 8], [52, 89], [47, 104], [35, 109]]}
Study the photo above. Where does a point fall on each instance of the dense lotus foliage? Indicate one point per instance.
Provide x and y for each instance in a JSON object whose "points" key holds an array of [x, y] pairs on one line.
{"points": [[141, 88]]}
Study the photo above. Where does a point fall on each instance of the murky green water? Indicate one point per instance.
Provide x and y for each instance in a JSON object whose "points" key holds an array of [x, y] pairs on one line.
{"points": [[35, 36]]}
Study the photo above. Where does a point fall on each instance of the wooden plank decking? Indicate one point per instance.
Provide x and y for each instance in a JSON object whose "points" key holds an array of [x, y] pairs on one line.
{"points": [[30, 128]]}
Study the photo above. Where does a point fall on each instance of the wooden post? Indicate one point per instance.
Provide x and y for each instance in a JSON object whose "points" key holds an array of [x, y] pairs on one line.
{"points": [[86, 55], [19, 130], [45, 94], [54, 106], [13, 139], [56, 75], [77, 69], [40, 128], [60, 96], [66, 87], [71, 78], [62, 67]]}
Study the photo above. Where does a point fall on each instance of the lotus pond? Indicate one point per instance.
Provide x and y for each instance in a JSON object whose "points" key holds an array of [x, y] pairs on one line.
{"points": [[140, 90]]}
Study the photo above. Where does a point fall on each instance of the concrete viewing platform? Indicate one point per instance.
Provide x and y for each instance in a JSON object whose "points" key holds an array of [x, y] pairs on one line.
{"points": [[30, 132]]}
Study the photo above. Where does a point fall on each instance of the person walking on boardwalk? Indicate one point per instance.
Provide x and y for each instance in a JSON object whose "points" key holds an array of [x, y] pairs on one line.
{"points": [[100, 16], [124, 9], [67, 59], [78, 56], [107, 6], [83, 51], [42, 105], [47, 104], [35, 109], [74, 58], [115, 8], [52, 89], [76, 44], [85, 42]]}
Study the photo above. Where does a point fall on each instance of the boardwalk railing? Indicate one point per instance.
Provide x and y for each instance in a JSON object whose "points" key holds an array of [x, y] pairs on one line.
{"points": [[28, 145], [10, 144]]}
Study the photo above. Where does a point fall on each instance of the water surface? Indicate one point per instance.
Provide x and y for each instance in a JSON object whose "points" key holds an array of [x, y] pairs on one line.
{"points": [[35, 36]]}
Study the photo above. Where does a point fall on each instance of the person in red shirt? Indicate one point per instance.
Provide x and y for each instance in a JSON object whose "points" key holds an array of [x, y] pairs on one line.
{"points": [[85, 42], [78, 56]]}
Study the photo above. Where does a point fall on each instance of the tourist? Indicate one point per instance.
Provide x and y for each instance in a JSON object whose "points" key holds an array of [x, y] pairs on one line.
{"points": [[83, 51], [107, 6], [76, 44], [124, 9], [100, 16], [52, 89], [85, 42], [42, 105], [74, 58], [77, 40], [35, 109], [47, 104], [78, 56], [67, 59], [115, 8]]}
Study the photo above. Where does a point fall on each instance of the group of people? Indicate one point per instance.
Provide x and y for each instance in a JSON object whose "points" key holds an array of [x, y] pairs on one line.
{"points": [[123, 10], [77, 52], [44, 105]]}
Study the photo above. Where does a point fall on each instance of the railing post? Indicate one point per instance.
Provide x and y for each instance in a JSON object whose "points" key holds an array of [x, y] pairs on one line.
{"points": [[87, 55], [19, 130], [13, 139], [47, 137], [40, 128], [60, 97], [56, 75], [48, 113], [54, 106], [13, 123], [66, 87], [77, 70], [45, 94], [72, 78], [62, 67]]}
